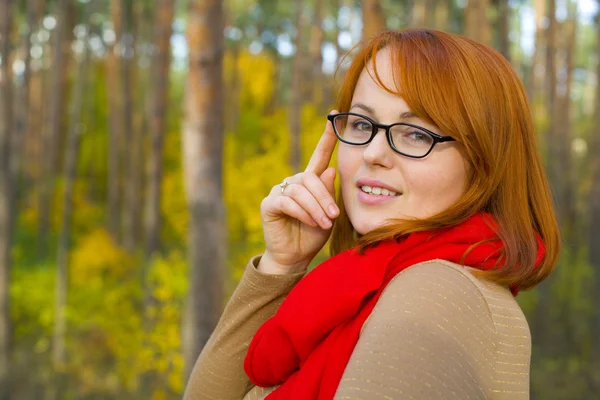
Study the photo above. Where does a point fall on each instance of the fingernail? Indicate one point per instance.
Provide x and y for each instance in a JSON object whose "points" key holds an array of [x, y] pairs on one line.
{"points": [[326, 222], [333, 210]]}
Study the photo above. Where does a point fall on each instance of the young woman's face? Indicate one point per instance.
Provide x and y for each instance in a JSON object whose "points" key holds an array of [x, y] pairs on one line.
{"points": [[423, 187]]}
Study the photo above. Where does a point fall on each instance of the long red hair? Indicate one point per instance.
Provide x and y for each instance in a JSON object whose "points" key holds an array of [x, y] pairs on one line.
{"points": [[471, 92]]}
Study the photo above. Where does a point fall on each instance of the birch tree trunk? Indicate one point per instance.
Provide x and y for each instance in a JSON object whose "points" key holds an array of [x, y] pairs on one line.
{"points": [[6, 186], [202, 157]]}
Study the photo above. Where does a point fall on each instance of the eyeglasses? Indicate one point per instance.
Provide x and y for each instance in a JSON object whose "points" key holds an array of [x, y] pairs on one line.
{"points": [[407, 139]]}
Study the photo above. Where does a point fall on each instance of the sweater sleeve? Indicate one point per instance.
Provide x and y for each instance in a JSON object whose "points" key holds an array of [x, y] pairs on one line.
{"points": [[430, 336], [219, 370]]}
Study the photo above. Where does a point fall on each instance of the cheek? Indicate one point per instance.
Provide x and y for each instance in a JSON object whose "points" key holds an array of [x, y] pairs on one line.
{"points": [[437, 188], [348, 161]]}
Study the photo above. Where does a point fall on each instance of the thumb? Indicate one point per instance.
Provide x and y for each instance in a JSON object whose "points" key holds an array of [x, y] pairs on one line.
{"points": [[328, 179]]}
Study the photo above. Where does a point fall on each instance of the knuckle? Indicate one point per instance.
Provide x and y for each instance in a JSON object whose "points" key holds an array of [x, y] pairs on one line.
{"points": [[318, 212], [281, 202], [291, 190], [310, 177], [325, 198], [265, 203]]}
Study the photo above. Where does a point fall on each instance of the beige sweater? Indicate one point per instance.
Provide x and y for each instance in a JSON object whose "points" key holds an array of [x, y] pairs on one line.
{"points": [[437, 332]]}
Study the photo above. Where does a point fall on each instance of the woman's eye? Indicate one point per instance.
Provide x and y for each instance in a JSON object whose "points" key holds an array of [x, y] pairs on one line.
{"points": [[362, 126], [418, 136]]}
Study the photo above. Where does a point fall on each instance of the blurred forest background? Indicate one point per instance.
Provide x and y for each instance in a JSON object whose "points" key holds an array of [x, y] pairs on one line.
{"points": [[138, 138]]}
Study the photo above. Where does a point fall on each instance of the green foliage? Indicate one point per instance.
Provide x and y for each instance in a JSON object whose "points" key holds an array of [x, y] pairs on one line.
{"points": [[109, 348]]}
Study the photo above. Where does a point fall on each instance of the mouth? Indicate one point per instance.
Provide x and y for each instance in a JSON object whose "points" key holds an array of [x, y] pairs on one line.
{"points": [[377, 188], [378, 191]]}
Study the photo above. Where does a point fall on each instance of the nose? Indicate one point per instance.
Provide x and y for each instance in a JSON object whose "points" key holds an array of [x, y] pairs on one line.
{"points": [[378, 152]]}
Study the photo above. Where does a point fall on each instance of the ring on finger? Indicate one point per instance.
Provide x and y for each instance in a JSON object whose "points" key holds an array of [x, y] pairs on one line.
{"points": [[283, 185]]}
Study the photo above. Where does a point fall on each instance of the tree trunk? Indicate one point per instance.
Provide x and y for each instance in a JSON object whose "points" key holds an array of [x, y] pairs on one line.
{"points": [[564, 129], [373, 19], [6, 197], [62, 48], [534, 82], [160, 96], [424, 12], [329, 96], [203, 153], [131, 137], [234, 90], [503, 27], [442, 15], [115, 122], [62, 262], [554, 168], [33, 137], [477, 24], [22, 104], [594, 208], [543, 321], [296, 98], [158, 111], [316, 56]]}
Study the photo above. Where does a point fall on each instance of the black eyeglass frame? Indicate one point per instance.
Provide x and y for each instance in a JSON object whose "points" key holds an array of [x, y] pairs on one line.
{"points": [[377, 126]]}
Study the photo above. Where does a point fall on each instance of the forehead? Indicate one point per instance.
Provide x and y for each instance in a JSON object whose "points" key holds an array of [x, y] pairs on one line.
{"points": [[384, 64], [370, 92]]}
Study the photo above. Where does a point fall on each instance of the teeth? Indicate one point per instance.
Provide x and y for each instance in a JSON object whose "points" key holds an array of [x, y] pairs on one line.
{"points": [[377, 191]]}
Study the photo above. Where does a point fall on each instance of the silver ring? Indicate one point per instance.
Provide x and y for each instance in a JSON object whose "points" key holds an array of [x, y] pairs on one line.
{"points": [[283, 185]]}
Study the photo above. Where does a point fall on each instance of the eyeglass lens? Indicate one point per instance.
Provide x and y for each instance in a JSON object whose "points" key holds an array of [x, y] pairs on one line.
{"points": [[355, 129]]}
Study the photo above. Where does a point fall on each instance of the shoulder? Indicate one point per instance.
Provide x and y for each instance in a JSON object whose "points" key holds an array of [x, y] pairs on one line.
{"points": [[437, 323], [443, 291], [436, 294], [445, 286]]}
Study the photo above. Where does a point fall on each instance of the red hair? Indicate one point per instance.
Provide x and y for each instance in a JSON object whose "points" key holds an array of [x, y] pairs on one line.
{"points": [[471, 92]]}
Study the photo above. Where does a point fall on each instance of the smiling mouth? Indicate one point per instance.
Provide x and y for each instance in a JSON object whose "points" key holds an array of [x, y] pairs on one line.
{"points": [[378, 191]]}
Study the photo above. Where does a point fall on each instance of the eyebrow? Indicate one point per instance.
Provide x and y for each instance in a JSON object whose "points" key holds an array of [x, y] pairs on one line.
{"points": [[404, 115]]}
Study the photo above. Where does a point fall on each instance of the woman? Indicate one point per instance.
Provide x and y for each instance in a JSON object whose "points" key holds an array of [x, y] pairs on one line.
{"points": [[443, 210]]}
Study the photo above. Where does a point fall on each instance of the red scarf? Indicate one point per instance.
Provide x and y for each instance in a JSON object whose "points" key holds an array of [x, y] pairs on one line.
{"points": [[306, 345]]}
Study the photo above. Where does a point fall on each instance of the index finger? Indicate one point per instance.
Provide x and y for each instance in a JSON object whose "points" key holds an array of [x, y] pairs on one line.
{"points": [[319, 161]]}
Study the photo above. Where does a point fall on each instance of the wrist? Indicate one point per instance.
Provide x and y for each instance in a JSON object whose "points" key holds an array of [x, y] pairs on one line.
{"points": [[269, 266]]}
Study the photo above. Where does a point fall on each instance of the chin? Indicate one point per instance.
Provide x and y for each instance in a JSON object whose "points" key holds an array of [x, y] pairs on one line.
{"points": [[364, 226]]}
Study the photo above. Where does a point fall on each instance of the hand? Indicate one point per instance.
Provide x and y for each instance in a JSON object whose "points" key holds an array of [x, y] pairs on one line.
{"points": [[297, 223]]}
